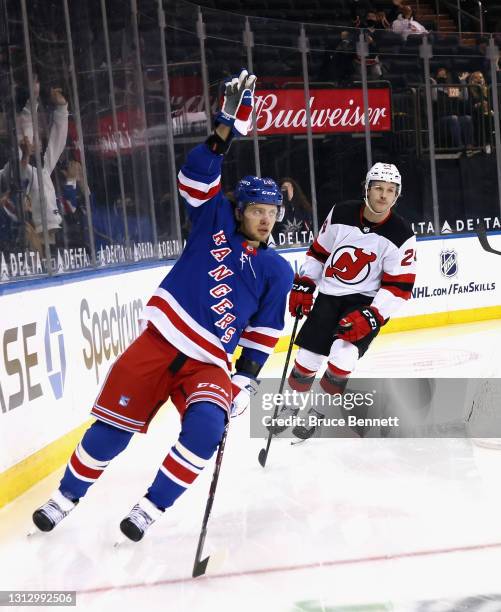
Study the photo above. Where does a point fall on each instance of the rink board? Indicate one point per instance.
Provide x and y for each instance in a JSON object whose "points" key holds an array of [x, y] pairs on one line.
{"points": [[60, 336]]}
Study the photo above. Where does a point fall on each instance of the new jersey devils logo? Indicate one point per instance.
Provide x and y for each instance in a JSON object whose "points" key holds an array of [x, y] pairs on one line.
{"points": [[350, 265]]}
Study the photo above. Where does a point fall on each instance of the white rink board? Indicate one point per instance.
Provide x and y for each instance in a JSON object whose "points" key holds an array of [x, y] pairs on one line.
{"points": [[476, 282], [89, 321], [95, 326]]}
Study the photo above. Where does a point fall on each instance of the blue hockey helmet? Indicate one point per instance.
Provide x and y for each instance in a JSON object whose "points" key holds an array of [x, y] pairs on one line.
{"points": [[255, 190]]}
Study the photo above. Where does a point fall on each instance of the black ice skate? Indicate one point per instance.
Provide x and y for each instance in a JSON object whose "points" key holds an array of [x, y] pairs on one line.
{"points": [[300, 380], [53, 511], [283, 414], [305, 432], [144, 514]]}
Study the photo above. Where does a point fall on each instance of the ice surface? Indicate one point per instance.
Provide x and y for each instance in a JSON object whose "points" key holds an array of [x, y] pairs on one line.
{"points": [[327, 525]]}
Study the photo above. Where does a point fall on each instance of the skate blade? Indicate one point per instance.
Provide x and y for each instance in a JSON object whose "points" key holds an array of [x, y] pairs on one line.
{"points": [[33, 532], [297, 441], [121, 540]]}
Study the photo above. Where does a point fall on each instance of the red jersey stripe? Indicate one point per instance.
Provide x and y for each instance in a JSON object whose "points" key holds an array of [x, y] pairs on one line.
{"points": [[320, 248], [185, 329], [398, 278], [259, 338], [311, 253], [397, 292], [196, 193]]}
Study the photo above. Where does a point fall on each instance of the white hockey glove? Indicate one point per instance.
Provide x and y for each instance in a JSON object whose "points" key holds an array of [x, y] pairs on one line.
{"points": [[243, 388], [238, 103]]}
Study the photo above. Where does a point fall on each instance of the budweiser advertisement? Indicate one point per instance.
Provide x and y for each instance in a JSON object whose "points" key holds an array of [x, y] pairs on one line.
{"points": [[282, 111], [278, 111]]}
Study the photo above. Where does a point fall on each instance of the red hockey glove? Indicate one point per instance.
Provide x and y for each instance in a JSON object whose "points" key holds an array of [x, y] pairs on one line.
{"points": [[301, 297], [359, 324]]}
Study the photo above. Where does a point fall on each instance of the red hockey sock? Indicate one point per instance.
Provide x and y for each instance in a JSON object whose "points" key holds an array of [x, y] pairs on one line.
{"points": [[334, 379], [300, 378]]}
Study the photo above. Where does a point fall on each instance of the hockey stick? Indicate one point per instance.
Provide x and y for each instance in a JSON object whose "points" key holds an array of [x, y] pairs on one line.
{"points": [[263, 453], [482, 237], [200, 565]]}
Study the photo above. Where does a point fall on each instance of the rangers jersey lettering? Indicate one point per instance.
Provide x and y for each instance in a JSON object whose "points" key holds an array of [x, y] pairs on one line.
{"points": [[222, 291], [351, 255]]}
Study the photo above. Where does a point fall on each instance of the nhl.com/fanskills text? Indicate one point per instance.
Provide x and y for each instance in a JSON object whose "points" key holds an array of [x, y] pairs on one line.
{"points": [[452, 289]]}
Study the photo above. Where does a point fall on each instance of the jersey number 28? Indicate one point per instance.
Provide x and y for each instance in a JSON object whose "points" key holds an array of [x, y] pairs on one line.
{"points": [[409, 255]]}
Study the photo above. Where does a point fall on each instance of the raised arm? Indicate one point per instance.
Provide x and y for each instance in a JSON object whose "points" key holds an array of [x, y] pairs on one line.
{"points": [[58, 130], [199, 180]]}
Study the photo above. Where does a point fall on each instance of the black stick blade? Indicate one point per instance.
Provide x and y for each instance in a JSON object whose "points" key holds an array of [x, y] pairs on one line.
{"points": [[200, 567], [263, 455], [211, 564]]}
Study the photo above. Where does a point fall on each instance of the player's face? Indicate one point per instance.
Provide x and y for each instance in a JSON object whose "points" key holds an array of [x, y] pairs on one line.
{"points": [[382, 195], [258, 220]]}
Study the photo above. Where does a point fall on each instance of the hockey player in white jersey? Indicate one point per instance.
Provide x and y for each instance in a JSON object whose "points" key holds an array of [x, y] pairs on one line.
{"points": [[363, 265]]}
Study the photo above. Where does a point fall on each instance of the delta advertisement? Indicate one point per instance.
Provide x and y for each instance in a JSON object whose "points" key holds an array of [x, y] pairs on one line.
{"points": [[59, 338]]}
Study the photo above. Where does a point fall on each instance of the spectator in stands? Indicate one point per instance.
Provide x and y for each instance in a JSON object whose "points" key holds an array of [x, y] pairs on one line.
{"points": [[405, 24], [374, 67], [455, 126], [359, 9], [29, 177], [107, 221], [9, 223], [297, 223], [482, 112], [72, 204], [395, 10], [338, 65], [382, 21], [371, 22], [18, 221], [483, 46]]}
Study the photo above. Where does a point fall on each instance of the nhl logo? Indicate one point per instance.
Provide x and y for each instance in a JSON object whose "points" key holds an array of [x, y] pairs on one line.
{"points": [[448, 263]]}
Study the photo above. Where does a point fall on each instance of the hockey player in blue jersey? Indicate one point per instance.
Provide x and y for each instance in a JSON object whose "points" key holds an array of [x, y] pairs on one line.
{"points": [[226, 289]]}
